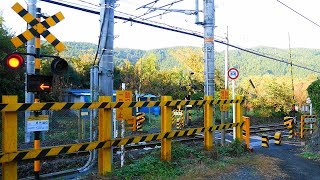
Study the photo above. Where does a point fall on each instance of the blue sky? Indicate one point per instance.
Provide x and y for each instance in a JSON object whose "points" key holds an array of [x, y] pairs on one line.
{"points": [[251, 23]]}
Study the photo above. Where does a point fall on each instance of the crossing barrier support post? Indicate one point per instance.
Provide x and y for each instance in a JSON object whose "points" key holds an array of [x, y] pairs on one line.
{"points": [[9, 138], [277, 138], [247, 130], [302, 127], [265, 141], [239, 119], [105, 134], [166, 127], [208, 122], [291, 129]]}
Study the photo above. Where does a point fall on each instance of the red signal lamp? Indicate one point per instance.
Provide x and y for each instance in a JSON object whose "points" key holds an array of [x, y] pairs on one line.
{"points": [[14, 61]]}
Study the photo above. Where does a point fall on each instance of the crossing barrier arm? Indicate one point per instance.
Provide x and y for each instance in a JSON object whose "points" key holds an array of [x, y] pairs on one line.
{"points": [[103, 104], [73, 148]]}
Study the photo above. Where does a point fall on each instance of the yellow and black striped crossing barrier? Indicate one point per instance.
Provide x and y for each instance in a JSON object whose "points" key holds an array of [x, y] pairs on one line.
{"points": [[64, 105], [265, 141], [277, 138], [68, 149]]}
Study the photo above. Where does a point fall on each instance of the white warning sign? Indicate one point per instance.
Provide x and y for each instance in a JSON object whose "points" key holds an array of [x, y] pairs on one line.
{"points": [[38, 123]]}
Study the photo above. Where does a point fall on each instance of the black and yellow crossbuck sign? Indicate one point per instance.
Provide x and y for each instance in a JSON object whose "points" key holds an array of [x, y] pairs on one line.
{"points": [[38, 28]]}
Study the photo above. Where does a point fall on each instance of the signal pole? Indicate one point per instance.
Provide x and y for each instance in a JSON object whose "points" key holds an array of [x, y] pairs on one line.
{"points": [[106, 53], [208, 25], [29, 96]]}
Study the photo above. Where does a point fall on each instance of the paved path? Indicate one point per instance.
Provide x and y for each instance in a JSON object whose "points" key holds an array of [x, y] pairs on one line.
{"points": [[291, 163], [296, 167]]}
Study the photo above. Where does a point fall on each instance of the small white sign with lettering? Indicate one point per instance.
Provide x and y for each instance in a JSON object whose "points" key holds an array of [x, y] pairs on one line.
{"points": [[38, 123]]}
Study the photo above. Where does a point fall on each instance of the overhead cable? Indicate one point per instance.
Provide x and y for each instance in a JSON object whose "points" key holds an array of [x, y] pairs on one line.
{"points": [[194, 34], [299, 14]]}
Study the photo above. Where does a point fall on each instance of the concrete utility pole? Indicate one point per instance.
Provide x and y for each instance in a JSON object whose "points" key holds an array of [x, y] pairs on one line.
{"points": [[224, 114], [29, 96], [106, 47], [208, 25]]}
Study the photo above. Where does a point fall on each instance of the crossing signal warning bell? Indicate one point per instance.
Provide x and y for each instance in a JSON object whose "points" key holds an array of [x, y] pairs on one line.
{"points": [[14, 61]]}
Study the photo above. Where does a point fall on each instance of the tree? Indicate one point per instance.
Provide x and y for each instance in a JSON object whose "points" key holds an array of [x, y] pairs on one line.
{"points": [[12, 82], [314, 94]]}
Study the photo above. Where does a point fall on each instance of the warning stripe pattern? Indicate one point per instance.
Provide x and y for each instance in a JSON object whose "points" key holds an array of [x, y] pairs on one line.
{"points": [[94, 105], [308, 129], [68, 149], [309, 116], [37, 28]]}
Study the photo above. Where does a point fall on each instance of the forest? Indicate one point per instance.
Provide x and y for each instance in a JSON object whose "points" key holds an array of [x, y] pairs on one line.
{"points": [[177, 70]]}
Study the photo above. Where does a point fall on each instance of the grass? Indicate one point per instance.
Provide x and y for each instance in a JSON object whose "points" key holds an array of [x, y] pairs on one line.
{"points": [[187, 159], [190, 161], [310, 155]]}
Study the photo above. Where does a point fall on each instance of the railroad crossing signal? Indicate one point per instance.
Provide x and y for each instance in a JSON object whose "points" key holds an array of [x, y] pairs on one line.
{"points": [[39, 83], [38, 28], [14, 61]]}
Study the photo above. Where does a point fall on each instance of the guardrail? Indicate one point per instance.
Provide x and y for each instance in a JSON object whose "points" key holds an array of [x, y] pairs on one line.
{"points": [[10, 155]]}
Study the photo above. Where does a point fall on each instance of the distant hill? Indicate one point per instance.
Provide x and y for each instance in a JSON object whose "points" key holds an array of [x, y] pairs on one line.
{"points": [[248, 64]]}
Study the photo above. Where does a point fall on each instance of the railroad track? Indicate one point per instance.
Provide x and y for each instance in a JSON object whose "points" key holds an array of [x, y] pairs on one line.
{"points": [[264, 128], [73, 160]]}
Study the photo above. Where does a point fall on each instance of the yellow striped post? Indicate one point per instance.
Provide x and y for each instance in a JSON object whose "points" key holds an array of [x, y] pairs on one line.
{"points": [[277, 138], [247, 130], [302, 127], [105, 134], [208, 122], [239, 118], [265, 140], [9, 138], [166, 127]]}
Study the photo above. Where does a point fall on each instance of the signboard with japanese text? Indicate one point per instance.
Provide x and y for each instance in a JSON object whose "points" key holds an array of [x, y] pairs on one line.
{"points": [[38, 123], [123, 113], [224, 95]]}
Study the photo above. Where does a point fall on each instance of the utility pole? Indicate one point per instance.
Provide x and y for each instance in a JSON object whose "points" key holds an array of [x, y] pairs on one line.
{"points": [[29, 96], [106, 52], [208, 25], [224, 114], [106, 47]]}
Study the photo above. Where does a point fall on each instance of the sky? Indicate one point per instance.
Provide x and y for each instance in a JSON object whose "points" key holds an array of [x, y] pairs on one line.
{"points": [[250, 23]]}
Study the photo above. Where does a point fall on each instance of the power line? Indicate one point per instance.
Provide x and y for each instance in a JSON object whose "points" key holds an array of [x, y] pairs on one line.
{"points": [[192, 33], [153, 9], [299, 14]]}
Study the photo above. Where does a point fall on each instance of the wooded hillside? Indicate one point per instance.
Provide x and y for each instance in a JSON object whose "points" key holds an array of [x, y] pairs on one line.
{"points": [[248, 64]]}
